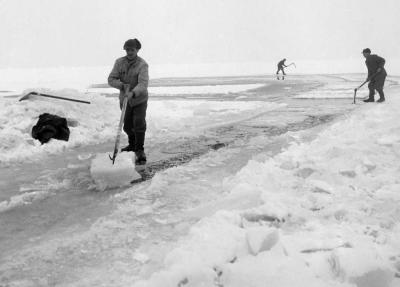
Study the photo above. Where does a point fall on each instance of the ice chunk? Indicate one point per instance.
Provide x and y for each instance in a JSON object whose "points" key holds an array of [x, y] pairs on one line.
{"points": [[84, 156], [261, 239], [141, 257], [108, 175], [375, 278], [321, 186]]}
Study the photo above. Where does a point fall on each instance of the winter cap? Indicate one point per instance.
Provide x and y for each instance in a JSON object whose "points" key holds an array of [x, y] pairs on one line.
{"points": [[132, 43], [367, 50]]}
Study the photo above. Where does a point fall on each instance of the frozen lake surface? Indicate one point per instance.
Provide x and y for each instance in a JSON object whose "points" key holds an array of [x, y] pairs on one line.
{"points": [[58, 230]]}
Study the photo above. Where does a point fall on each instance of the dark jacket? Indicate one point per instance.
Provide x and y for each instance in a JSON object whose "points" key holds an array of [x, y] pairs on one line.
{"points": [[281, 64], [50, 126], [135, 73], [374, 62]]}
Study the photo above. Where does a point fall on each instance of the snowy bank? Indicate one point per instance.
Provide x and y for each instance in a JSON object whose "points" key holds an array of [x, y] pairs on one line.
{"points": [[329, 214], [88, 123], [97, 123]]}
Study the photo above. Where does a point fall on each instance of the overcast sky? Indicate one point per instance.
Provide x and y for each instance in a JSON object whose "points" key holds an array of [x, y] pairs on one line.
{"points": [[51, 33]]}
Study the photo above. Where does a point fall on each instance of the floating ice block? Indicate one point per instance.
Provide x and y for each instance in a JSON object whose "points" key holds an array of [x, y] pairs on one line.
{"points": [[108, 175]]}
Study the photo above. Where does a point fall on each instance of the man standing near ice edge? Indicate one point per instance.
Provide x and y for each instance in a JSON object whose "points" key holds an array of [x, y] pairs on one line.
{"points": [[130, 75], [376, 75], [281, 65]]}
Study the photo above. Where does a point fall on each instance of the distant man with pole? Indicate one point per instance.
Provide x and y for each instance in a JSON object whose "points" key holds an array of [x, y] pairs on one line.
{"points": [[130, 75], [376, 75], [281, 65]]}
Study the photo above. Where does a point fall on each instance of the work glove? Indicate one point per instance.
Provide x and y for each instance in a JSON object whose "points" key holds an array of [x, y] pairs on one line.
{"points": [[129, 94], [125, 91], [131, 97], [126, 87]]}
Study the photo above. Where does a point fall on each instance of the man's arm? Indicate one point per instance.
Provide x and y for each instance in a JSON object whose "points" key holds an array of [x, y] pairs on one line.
{"points": [[114, 78], [381, 63], [143, 81]]}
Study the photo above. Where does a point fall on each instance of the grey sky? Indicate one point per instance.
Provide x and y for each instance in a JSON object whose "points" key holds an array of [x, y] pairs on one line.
{"points": [[43, 33]]}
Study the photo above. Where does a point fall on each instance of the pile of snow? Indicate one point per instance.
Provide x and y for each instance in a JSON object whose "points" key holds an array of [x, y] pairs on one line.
{"points": [[97, 123], [88, 124], [108, 175], [329, 214]]}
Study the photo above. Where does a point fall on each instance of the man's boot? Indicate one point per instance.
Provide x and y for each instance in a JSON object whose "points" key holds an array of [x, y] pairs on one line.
{"points": [[140, 157], [369, 100], [381, 96], [131, 145], [139, 147], [371, 96]]}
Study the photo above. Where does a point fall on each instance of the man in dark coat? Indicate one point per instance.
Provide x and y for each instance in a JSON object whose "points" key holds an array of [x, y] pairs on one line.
{"points": [[281, 65], [376, 75], [132, 72]]}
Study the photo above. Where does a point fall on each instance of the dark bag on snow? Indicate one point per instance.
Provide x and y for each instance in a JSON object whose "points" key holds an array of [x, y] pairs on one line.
{"points": [[50, 126]]}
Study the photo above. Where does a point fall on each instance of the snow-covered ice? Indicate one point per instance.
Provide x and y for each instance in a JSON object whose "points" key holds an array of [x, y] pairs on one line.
{"points": [[316, 206], [336, 203], [187, 90], [97, 122]]}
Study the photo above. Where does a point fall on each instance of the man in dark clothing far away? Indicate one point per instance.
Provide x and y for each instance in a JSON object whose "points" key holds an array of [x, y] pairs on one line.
{"points": [[376, 75], [281, 65], [130, 75]]}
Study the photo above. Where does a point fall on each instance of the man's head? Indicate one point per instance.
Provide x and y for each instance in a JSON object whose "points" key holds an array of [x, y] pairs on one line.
{"points": [[132, 46], [366, 52]]}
